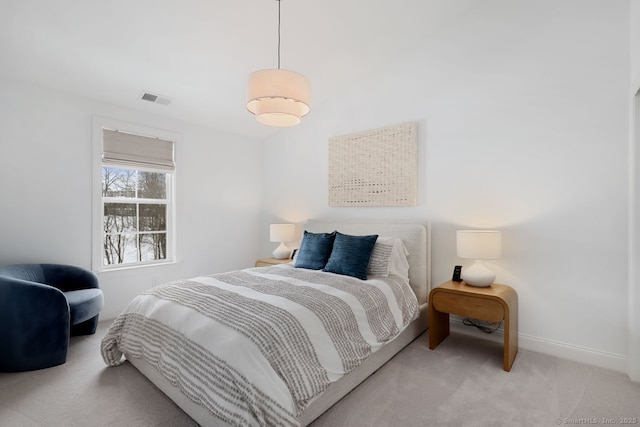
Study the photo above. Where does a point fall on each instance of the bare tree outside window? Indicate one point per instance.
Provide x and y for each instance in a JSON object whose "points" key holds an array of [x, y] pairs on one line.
{"points": [[134, 216]]}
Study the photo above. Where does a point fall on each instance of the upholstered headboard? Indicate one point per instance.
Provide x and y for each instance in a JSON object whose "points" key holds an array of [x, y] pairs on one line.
{"points": [[416, 237]]}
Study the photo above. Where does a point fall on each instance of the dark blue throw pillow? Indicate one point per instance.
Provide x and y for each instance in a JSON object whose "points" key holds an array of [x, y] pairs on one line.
{"points": [[350, 255], [315, 250]]}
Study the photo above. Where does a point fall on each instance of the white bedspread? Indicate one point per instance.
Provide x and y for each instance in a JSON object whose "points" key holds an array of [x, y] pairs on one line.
{"points": [[255, 346]]}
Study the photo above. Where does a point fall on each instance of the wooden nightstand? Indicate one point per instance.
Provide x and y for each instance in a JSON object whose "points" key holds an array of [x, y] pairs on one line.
{"points": [[265, 262], [493, 304]]}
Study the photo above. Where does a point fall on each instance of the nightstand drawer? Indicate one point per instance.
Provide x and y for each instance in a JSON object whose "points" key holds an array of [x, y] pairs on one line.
{"points": [[469, 306]]}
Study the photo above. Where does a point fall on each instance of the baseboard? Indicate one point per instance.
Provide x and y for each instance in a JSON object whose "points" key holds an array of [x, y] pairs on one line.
{"points": [[559, 349]]}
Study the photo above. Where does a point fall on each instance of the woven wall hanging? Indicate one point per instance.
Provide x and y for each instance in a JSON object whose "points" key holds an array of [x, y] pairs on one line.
{"points": [[374, 168]]}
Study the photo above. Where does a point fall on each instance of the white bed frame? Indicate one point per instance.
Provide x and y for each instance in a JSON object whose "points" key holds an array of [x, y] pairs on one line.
{"points": [[417, 239]]}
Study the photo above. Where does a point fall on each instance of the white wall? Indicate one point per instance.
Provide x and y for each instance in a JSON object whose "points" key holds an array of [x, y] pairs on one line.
{"points": [[45, 191], [523, 112], [634, 198]]}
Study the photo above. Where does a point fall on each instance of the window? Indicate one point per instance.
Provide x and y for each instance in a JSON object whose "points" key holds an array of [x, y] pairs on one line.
{"points": [[134, 215], [134, 208]]}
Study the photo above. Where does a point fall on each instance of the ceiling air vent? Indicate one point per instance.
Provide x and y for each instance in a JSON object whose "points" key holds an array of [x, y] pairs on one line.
{"points": [[157, 99]]}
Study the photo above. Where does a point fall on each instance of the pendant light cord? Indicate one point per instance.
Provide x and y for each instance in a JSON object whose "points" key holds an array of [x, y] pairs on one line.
{"points": [[278, 34]]}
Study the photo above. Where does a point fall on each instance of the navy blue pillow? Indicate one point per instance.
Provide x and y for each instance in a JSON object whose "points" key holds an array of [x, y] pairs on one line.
{"points": [[350, 255], [315, 250]]}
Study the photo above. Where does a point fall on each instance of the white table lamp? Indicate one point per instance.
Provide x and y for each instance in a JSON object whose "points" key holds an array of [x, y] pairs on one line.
{"points": [[282, 233], [478, 245]]}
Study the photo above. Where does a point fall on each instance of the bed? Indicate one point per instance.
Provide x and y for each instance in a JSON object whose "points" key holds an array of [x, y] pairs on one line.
{"points": [[232, 384]]}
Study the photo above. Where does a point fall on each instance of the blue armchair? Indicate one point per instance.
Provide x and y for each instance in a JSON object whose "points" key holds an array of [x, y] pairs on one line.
{"points": [[41, 305]]}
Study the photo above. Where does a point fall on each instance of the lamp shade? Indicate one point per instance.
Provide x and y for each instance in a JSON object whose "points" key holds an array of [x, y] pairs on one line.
{"points": [[479, 244], [282, 232], [278, 97]]}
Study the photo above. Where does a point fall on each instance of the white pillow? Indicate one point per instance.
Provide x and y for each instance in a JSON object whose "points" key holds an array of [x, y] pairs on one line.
{"points": [[380, 258], [399, 264], [389, 256]]}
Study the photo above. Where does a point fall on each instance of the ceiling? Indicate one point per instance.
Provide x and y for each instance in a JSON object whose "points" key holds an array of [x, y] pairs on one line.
{"points": [[200, 52]]}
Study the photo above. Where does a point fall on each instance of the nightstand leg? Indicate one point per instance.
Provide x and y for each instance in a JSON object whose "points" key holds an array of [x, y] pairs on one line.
{"points": [[510, 341], [438, 327]]}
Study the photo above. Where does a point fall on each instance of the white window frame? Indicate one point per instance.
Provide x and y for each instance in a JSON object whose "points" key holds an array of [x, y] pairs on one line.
{"points": [[100, 123]]}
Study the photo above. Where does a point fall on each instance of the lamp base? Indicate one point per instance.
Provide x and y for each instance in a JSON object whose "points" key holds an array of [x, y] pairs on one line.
{"points": [[478, 275], [281, 252]]}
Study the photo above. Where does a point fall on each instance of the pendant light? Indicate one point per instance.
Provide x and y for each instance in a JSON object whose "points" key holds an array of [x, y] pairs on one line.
{"points": [[278, 97]]}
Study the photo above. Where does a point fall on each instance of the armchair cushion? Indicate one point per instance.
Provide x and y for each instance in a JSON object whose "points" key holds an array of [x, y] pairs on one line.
{"points": [[84, 304]]}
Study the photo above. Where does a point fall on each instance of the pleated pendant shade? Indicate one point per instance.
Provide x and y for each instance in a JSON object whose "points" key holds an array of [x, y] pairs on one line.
{"points": [[278, 97]]}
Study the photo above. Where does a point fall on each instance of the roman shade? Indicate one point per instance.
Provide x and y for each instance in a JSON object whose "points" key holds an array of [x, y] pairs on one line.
{"points": [[124, 148]]}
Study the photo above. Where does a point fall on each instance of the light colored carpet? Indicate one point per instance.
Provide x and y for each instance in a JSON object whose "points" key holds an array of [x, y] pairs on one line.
{"points": [[461, 383]]}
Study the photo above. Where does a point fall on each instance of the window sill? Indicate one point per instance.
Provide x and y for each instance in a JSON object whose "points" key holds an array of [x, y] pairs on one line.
{"points": [[134, 267]]}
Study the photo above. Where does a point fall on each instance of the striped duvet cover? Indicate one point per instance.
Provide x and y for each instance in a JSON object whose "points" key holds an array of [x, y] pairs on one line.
{"points": [[256, 346]]}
